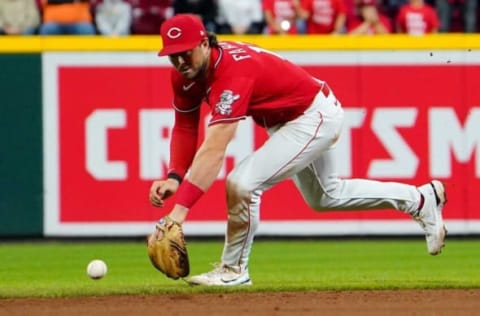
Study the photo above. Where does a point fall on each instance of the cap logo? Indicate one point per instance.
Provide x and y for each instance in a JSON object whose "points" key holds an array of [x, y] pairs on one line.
{"points": [[174, 32]]}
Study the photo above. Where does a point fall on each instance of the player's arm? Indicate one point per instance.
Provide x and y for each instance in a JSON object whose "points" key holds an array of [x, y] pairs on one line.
{"points": [[183, 140], [209, 158], [205, 168], [183, 145]]}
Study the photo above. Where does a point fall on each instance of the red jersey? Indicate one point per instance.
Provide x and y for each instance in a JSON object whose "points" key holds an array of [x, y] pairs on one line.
{"points": [[323, 14], [417, 21], [245, 80], [242, 81], [282, 10]]}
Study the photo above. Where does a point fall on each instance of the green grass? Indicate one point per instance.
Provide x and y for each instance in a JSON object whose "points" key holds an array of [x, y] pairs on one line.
{"points": [[54, 269]]}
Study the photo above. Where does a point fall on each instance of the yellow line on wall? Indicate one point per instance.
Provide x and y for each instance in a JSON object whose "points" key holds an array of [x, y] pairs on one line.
{"points": [[32, 44]]}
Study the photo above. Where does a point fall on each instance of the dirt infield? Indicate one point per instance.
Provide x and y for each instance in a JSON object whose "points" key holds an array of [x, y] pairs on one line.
{"points": [[372, 303]]}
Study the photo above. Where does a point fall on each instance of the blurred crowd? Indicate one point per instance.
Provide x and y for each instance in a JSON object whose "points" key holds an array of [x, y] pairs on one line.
{"points": [[144, 17]]}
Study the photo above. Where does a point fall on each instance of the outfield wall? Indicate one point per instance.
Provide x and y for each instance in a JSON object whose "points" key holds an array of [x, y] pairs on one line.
{"points": [[86, 124]]}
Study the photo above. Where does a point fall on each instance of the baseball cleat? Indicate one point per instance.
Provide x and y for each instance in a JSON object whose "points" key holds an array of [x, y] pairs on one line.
{"points": [[430, 216], [222, 275]]}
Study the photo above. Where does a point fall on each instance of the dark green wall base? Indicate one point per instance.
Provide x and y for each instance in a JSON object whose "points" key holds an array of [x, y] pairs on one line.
{"points": [[21, 193]]}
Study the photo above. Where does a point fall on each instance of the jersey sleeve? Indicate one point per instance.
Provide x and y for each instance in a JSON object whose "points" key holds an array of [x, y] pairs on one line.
{"points": [[184, 141], [229, 100]]}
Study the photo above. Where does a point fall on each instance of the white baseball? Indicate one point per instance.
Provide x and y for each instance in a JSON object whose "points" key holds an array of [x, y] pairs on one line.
{"points": [[96, 269]]}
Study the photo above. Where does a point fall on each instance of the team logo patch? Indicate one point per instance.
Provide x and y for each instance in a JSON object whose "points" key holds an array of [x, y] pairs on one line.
{"points": [[224, 106], [174, 32]]}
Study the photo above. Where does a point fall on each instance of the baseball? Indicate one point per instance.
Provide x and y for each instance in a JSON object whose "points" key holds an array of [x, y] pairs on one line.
{"points": [[96, 269]]}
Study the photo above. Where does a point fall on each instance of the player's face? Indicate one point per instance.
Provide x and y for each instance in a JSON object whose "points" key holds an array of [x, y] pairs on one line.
{"points": [[191, 62]]}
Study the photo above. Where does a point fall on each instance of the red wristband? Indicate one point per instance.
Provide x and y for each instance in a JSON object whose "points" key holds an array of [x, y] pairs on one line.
{"points": [[188, 194]]}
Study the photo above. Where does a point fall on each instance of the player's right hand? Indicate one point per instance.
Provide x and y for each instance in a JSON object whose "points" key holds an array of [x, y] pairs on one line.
{"points": [[161, 190]]}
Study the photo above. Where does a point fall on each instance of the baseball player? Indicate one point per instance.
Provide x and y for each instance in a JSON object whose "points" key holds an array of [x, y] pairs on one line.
{"points": [[304, 121]]}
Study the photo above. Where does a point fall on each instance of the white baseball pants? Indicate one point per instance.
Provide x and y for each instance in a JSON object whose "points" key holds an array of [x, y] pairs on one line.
{"points": [[302, 149]]}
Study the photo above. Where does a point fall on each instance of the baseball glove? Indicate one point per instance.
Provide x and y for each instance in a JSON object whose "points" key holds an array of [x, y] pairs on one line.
{"points": [[167, 249]]}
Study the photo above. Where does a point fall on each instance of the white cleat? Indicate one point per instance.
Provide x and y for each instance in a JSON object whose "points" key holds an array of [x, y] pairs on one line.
{"points": [[222, 275], [430, 216]]}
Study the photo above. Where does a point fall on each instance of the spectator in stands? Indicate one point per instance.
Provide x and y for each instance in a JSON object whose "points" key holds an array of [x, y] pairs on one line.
{"points": [[148, 15], [324, 16], [240, 17], [368, 19], [467, 10], [19, 17], [207, 10], [113, 17], [281, 16], [67, 17], [417, 18]]}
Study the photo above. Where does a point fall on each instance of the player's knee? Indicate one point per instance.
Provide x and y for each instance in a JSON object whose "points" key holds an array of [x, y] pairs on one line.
{"points": [[323, 204], [329, 199], [239, 195], [315, 203], [311, 203], [235, 186]]}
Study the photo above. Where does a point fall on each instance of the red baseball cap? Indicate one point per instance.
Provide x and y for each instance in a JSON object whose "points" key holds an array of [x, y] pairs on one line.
{"points": [[181, 33]]}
